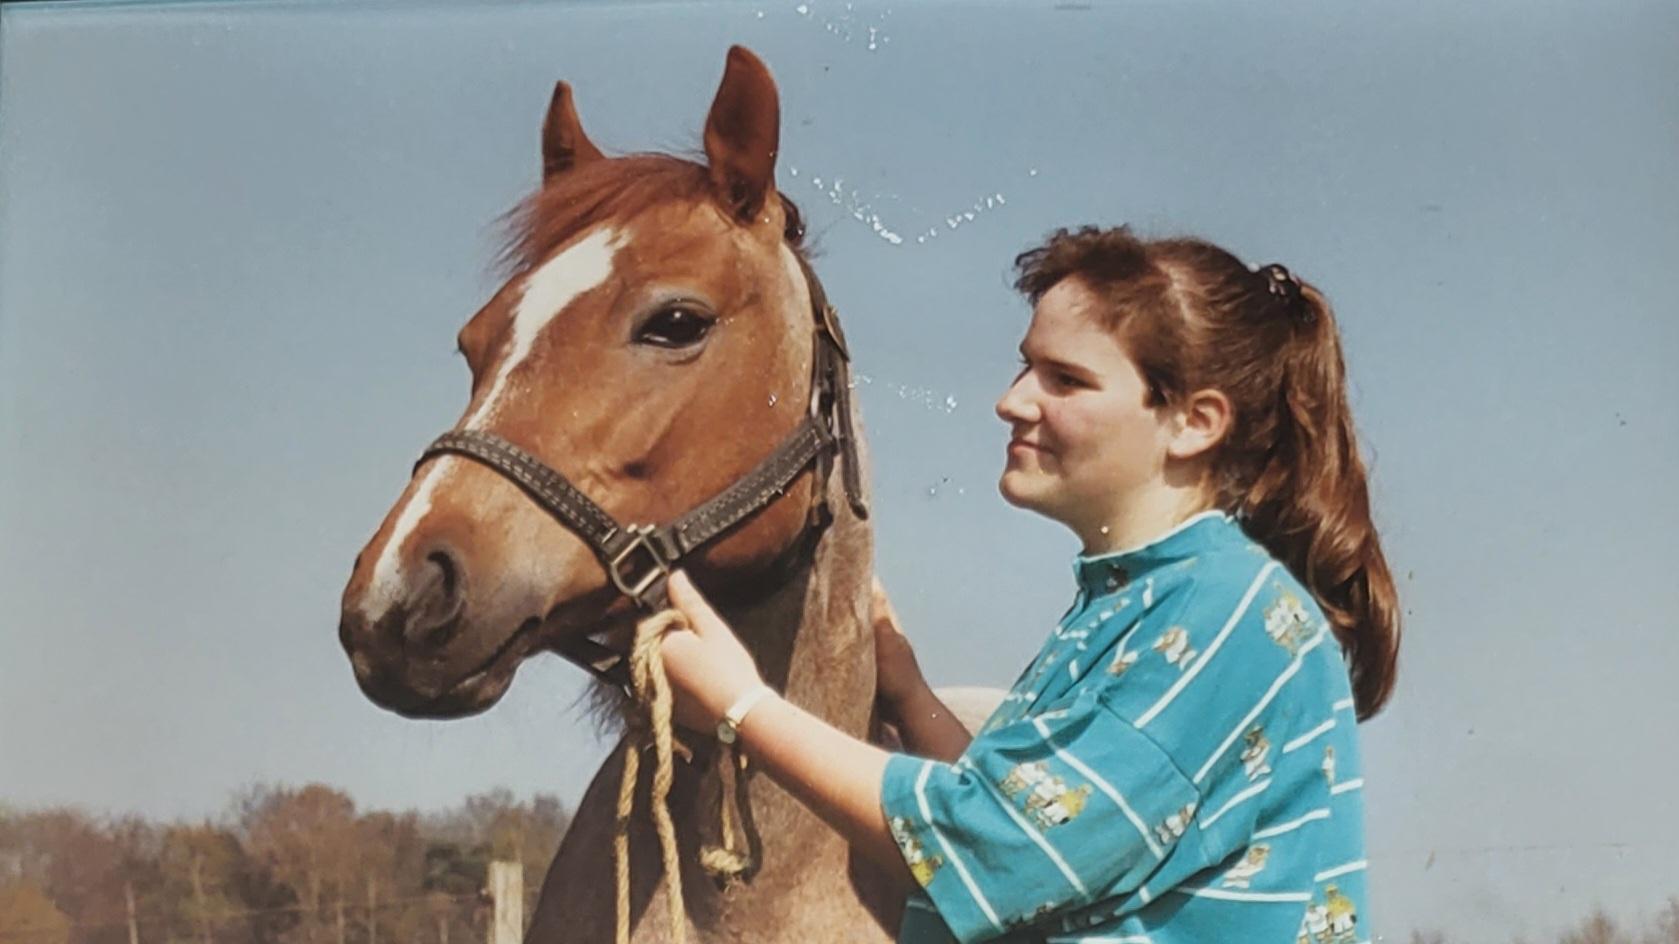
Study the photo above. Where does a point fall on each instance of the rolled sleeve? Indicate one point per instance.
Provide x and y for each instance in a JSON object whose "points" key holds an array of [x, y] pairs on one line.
{"points": [[1050, 811]]}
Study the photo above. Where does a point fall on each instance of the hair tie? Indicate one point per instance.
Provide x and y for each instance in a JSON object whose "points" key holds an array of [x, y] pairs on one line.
{"points": [[1285, 288]]}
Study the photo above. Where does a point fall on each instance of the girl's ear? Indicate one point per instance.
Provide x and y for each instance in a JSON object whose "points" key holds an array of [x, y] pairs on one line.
{"points": [[1202, 421]]}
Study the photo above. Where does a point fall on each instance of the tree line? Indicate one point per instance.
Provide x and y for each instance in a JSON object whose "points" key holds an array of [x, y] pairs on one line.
{"points": [[301, 865], [1595, 928], [284, 865]]}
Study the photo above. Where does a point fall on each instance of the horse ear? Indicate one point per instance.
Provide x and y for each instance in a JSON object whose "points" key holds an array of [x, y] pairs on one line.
{"points": [[743, 133], [564, 145]]}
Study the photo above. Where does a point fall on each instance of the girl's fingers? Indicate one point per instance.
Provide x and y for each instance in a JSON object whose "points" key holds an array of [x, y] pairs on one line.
{"points": [[686, 597], [882, 615]]}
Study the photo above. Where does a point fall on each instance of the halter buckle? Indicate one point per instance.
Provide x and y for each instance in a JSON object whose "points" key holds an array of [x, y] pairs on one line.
{"points": [[640, 539]]}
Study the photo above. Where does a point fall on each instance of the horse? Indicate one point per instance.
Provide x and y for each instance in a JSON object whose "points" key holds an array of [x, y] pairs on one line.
{"points": [[661, 350]]}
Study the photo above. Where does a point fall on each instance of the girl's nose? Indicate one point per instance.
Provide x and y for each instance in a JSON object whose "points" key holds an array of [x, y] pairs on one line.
{"points": [[1017, 404]]}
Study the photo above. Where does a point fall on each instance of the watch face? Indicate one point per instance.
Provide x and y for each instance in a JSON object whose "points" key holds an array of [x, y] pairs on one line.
{"points": [[726, 732]]}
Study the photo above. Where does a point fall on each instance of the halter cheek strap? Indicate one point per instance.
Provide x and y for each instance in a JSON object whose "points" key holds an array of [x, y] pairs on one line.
{"points": [[640, 557]]}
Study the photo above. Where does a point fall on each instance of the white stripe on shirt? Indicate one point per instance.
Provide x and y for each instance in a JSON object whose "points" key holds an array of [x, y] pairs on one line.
{"points": [[1202, 891], [950, 853], [1107, 788], [1349, 785], [1328, 874], [1277, 686], [1247, 794], [1343, 704], [1306, 738], [1293, 824], [1212, 648]]}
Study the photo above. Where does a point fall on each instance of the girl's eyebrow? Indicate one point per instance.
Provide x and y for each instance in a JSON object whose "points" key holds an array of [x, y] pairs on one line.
{"points": [[1055, 362]]}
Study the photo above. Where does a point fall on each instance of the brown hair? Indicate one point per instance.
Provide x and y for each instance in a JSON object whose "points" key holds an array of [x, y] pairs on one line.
{"points": [[1193, 317]]}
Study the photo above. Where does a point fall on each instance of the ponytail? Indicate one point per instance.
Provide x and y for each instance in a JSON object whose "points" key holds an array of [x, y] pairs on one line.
{"points": [[1309, 505]]}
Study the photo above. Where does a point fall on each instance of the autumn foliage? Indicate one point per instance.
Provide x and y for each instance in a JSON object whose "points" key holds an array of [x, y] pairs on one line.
{"points": [[285, 865]]}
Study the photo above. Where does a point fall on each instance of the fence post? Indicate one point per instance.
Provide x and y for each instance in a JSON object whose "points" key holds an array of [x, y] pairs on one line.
{"points": [[133, 923], [507, 891]]}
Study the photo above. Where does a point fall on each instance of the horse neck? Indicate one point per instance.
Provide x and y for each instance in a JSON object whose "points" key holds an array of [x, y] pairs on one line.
{"points": [[812, 641], [810, 636]]}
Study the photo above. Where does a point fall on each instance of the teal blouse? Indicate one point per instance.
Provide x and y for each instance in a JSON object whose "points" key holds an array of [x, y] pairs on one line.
{"points": [[1178, 764]]}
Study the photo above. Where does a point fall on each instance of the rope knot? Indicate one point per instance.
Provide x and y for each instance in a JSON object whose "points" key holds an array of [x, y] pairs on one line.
{"points": [[653, 729]]}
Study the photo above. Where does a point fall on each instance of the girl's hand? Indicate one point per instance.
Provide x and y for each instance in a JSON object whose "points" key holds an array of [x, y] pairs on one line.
{"points": [[707, 666], [897, 674]]}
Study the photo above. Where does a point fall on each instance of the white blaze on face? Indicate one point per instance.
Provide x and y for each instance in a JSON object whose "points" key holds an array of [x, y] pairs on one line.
{"points": [[548, 291]]}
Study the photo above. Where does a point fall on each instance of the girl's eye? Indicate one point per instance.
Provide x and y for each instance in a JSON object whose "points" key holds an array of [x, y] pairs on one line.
{"points": [[1068, 380], [675, 327]]}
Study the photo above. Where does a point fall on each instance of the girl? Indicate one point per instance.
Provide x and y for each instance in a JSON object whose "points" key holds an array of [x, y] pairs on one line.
{"points": [[1180, 761]]}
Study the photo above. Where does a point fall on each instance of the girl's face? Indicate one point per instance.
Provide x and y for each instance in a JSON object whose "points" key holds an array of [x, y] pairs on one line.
{"points": [[1085, 447]]}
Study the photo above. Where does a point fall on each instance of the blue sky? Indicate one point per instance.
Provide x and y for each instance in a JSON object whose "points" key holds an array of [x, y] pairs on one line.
{"points": [[236, 241]]}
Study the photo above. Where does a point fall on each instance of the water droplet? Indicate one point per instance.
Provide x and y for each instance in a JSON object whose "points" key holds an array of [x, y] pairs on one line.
{"points": [[803, 9], [772, 399], [1032, 173], [1104, 529], [950, 403]]}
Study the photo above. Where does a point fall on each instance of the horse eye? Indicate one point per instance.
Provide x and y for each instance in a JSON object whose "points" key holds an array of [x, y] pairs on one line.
{"points": [[675, 327]]}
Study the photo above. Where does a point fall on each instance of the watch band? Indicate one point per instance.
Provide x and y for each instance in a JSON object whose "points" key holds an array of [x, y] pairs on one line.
{"points": [[729, 728]]}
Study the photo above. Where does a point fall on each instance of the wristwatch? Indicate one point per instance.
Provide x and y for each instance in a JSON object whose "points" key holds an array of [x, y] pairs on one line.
{"points": [[729, 728]]}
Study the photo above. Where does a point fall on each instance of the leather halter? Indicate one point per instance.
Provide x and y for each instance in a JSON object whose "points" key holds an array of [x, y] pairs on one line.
{"points": [[640, 557]]}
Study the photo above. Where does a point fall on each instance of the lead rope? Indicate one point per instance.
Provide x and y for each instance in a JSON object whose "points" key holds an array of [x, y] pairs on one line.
{"points": [[651, 690]]}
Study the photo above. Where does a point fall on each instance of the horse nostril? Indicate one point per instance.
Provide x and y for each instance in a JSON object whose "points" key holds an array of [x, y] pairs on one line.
{"points": [[445, 566], [435, 610]]}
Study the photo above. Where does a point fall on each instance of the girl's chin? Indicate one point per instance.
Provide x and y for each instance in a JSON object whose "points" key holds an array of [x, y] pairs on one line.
{"points": [[1016, 487]]}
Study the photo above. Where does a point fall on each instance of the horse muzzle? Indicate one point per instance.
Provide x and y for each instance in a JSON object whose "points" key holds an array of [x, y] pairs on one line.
{"points": [[422, 653]]}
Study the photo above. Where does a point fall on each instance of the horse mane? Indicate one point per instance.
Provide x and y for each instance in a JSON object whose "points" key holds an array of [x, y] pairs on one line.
{"points": [[608, 189]]}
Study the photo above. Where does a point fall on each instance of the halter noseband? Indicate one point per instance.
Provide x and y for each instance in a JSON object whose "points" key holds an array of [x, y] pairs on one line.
{"points": [[640, 557]]}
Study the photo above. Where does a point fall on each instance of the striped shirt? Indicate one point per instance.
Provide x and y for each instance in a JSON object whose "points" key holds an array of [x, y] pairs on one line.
{"points": [[1178, 764]]}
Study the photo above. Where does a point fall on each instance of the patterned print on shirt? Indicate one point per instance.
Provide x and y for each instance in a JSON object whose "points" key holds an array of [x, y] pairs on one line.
{"points": [[1122, 660], [1174, 645], [1048, 801], [1287, 622], [1242, 873], [921, 865], [1255, 753], [1172, 829], [1333, 921]]}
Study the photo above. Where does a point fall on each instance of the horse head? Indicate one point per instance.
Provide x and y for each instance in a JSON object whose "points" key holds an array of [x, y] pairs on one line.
{"points": [[653, 345]]}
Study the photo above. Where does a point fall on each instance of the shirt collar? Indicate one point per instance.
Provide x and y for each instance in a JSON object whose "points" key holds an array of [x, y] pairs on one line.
{"points": [[1105, 573]]}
